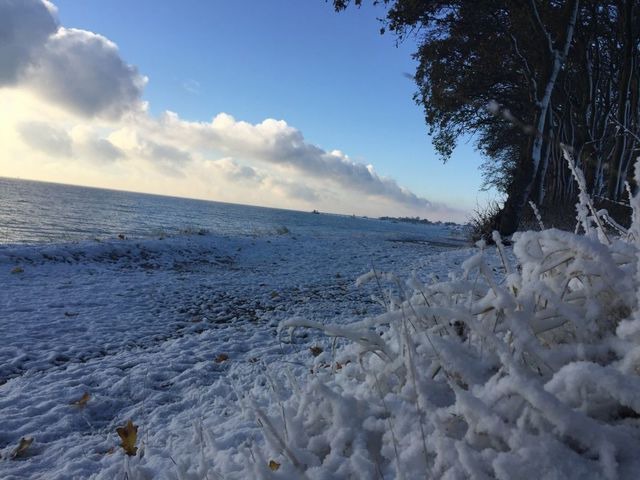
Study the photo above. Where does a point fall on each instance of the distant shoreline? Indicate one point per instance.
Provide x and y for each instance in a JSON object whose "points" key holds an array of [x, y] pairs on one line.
{"points": [[418, 220]]}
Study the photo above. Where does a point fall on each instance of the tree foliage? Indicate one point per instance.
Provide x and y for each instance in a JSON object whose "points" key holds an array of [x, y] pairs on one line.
{"points": [[556, 72]]}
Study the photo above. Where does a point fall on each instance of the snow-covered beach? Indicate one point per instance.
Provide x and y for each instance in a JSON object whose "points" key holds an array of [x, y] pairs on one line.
{"points": [[377, 351], [170, 332], [255, 343]]}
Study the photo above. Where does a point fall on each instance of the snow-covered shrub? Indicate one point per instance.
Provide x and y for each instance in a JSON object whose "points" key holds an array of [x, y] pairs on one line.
{"points": [[485, 220], [530, 372]]}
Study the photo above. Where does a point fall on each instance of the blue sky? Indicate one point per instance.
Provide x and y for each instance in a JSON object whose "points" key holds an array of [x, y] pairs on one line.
{"points": [[332, 77]]}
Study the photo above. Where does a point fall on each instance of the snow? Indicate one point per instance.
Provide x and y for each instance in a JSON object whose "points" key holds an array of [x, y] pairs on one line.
{"points": [[334, 356], [138, 324], [514, 372]]}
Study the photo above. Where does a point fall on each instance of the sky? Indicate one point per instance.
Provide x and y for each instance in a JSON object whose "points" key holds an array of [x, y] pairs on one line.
{"points": [[282, 104]]}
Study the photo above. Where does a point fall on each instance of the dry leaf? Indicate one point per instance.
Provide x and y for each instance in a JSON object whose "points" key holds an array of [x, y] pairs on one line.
{"points": [[82, 401], [315, 351], [128, 434], [17, 270], [223, 357], [273, 465], [21, 449]]}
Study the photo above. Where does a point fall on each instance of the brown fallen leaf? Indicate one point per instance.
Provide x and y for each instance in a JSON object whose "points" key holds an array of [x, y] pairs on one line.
{"points": [[21, 450], [128, 434], [82, 401], [223, 357], [273, 465], [17, 270], [315, 351]]}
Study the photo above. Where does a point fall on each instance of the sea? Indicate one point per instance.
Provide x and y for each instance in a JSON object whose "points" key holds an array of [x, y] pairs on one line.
{"points": [[33, 212]]}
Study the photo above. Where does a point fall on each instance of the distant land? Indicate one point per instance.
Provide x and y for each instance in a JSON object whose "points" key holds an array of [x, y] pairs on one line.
{"points": [[423, 221]]}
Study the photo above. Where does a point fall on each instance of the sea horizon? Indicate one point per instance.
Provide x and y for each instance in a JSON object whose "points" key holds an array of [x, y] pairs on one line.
{"points": [[34, 211], [198, 199]]}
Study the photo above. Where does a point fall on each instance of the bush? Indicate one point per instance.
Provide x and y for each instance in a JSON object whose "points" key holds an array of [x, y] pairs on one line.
{"points": [[485, 221], [532, 372]]}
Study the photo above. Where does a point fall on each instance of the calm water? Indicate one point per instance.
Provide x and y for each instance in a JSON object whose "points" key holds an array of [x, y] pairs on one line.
{"points": [[37, 212]]}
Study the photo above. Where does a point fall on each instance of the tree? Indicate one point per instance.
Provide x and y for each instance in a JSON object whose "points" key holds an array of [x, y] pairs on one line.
{"points": [[559, 71]]}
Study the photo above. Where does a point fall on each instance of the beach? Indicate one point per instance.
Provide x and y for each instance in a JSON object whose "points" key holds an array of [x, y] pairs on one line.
{"points": [[172, 332]]}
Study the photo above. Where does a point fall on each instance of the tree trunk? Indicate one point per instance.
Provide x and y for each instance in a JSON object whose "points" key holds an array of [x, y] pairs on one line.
{"points": [[522, 185], [617, 162]]}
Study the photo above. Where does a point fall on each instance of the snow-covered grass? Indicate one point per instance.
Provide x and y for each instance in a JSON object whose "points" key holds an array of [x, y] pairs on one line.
{"points": [[531, 372]]}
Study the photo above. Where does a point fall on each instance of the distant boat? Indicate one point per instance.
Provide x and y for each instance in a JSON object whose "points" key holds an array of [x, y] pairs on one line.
{"points": [[316, 212]]}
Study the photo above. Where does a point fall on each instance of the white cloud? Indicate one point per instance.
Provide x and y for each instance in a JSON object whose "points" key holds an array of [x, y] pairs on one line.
{"points": [[77, 69], [46, 138], [138, 143], [236, 172], [165, 153], [89, 146], [101, 150], [169, 159], [296, 190], [254, 178], [25, 26], [275, 142], [83, 71]]}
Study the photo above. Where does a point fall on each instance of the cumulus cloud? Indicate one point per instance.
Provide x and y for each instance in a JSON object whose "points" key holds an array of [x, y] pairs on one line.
{"points": [[165, 153], [96, 149], [236, 172], [138, 143], [84, 71], [295, 190], [73, 68], [25, 26], [81, 142], [46, 138], [275, 142], [252, 177], [169, 159]]}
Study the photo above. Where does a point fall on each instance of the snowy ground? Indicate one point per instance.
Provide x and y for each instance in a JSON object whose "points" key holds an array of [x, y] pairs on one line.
{"points": [[169, 332]]}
